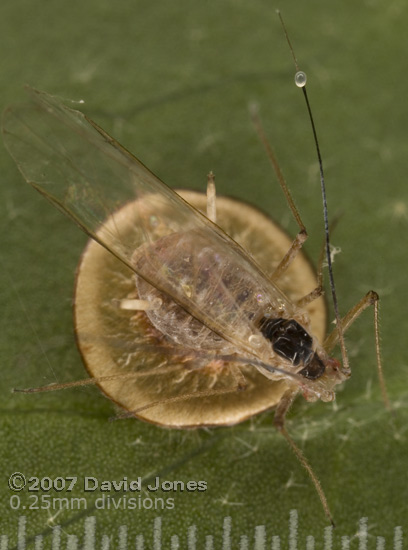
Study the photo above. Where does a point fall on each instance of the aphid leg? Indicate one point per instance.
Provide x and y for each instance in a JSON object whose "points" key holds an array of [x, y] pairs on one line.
{"points": [[93, 381], [290, 255], [239, 378], [279, 423], [370, 299], [302, 235], [318, 291], [211, 198], [140, 305]]}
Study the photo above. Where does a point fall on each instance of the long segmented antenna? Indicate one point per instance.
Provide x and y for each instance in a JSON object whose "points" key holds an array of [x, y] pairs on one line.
{"points": [[300, 81], [163, 370]]}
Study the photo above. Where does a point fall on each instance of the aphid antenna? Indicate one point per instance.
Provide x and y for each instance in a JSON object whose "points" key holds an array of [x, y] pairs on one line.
{"points": [[300, 81], [209, 393], [164, 370]]}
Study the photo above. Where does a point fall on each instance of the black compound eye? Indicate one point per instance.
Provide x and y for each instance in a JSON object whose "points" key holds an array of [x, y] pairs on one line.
{"points": [[289, 339], [314, 369]]}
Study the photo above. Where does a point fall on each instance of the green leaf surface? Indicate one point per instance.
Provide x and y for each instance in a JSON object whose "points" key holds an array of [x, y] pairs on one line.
{"points": [[172, 81]]}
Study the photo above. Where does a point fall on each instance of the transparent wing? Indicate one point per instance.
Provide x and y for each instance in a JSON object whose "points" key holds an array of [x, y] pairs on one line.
{"points": [[90, 177]]}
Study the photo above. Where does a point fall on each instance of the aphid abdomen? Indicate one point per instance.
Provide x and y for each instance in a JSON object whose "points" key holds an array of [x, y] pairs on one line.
{"points": [[173, 321], [213, 284]]}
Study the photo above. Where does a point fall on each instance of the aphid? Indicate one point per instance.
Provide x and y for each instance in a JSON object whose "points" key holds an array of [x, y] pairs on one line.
{"points": [[175, 320]]}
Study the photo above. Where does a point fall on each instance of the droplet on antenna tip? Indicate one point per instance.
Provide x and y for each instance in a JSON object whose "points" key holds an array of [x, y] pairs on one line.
{"points": [[300, 79]]}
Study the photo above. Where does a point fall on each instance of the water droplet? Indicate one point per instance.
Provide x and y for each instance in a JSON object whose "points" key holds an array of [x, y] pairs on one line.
{"points": [[300, 79], [255, 340]]}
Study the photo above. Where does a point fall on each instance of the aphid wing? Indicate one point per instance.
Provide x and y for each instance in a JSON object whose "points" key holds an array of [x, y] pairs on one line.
{"points": [[82, 170], [90, 176]]}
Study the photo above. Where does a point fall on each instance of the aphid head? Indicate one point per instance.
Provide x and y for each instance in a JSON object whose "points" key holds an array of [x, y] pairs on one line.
{"points": [[323, 387], [292, 342]]}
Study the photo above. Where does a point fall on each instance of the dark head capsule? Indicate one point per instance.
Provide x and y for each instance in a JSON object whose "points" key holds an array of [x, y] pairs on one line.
{"points": [[291, 341]]}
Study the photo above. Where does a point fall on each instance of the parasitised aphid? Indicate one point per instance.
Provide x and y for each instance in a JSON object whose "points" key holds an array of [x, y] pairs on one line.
{"points": [[183, 318]]}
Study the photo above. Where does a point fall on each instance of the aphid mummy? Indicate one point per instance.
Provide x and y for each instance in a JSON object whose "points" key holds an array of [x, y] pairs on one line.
{"points": [[190, 299], [176, 339]]}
